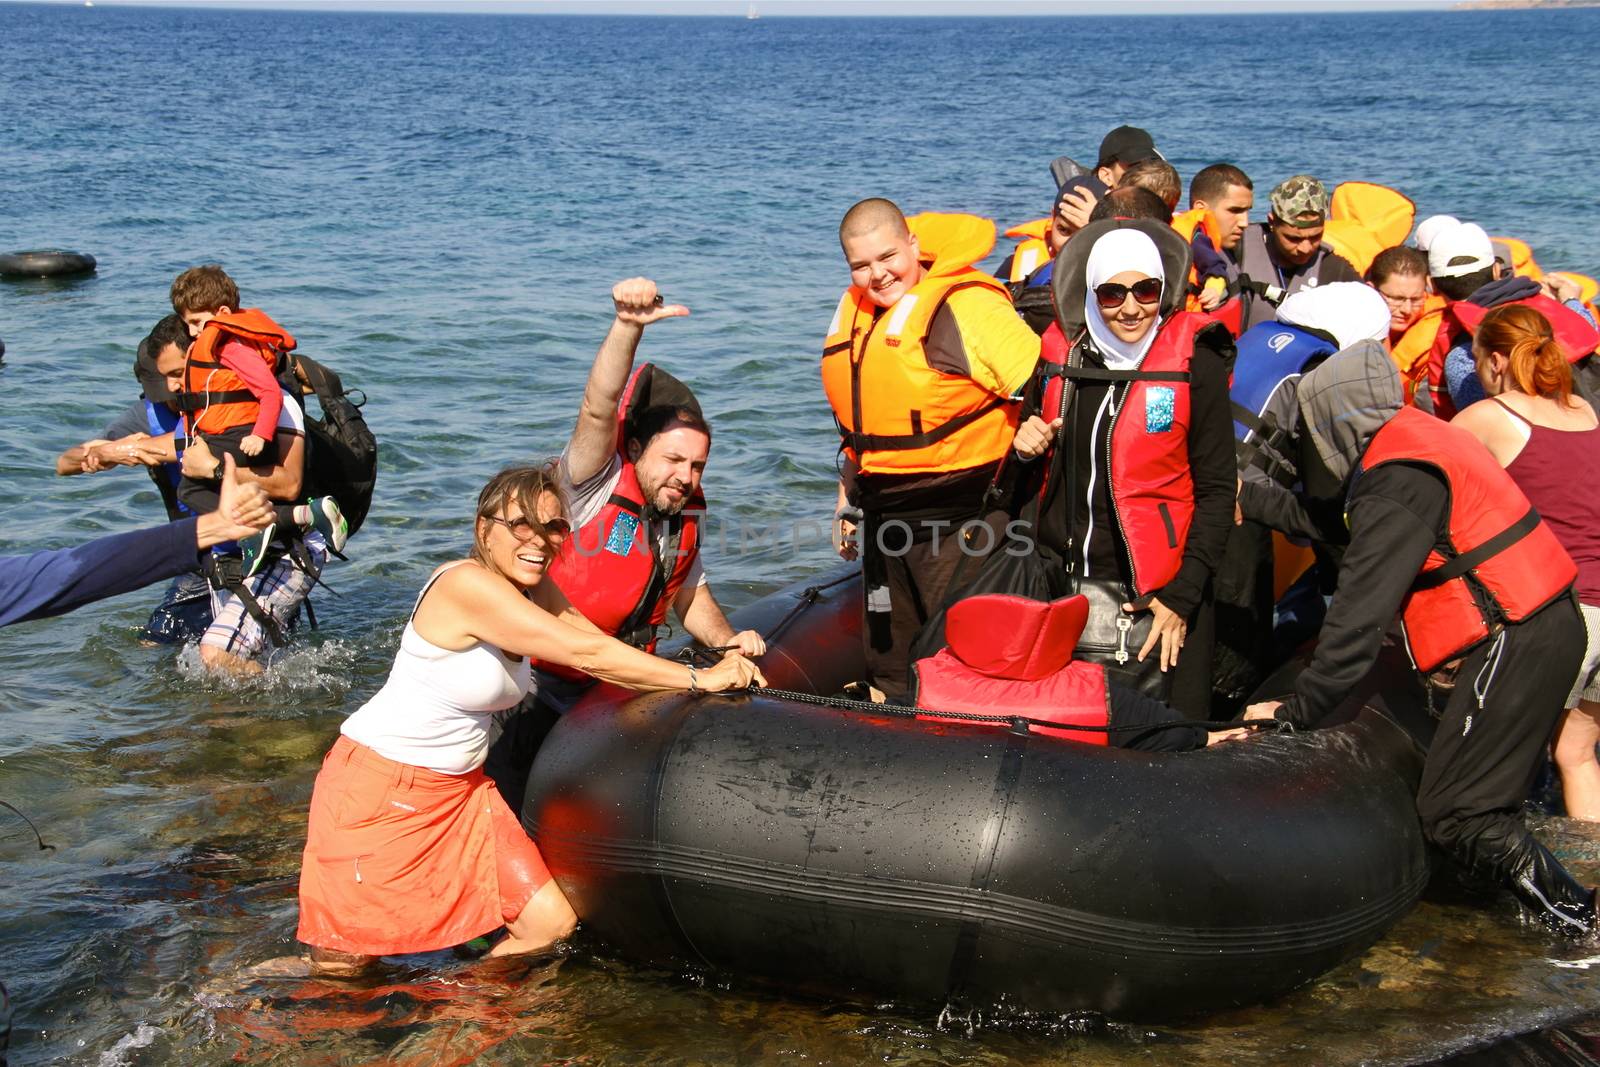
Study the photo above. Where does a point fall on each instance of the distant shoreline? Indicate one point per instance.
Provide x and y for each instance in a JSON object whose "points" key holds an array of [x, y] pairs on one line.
{"points": [[1480, 5]]}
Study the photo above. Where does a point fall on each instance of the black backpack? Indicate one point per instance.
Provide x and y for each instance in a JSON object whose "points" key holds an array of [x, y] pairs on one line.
{"points": [[342, 454]]}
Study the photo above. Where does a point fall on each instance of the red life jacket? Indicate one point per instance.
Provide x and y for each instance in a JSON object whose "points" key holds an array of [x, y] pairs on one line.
{"points": [[1573, 333], [1502, 549], [1230, 315], [1008, 655], [607, 567], [1152, 486]]}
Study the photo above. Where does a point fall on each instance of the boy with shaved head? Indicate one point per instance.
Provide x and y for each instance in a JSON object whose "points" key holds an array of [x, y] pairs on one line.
{"points": [[920, 366]]}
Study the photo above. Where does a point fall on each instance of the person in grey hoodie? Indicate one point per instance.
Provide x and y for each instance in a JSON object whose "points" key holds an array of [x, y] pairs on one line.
{"points": [[1400, 503]]}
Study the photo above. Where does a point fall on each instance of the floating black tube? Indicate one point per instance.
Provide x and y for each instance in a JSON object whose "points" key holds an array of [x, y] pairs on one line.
{"points": [[840, 849], [46, 263]]}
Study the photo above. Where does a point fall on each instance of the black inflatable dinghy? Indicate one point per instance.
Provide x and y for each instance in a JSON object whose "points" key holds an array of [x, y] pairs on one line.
{"points": [[844, 849]]}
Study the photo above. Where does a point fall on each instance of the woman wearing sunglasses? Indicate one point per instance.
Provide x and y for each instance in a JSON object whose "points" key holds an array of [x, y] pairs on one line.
{"points": [[410, 847], [1138, 494]]}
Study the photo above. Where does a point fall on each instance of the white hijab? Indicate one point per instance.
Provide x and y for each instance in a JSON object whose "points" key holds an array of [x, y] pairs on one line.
{"points": [[1112, 254]]}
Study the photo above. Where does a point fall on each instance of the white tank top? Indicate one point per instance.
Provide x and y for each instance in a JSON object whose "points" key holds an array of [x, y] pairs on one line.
{"points": [[435, 709]]}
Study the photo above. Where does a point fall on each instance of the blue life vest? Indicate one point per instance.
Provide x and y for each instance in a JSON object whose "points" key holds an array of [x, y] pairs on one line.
{"points": [[163, 420], [1270, 355]]}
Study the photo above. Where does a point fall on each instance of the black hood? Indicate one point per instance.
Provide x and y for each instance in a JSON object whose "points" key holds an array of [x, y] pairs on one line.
{"points": [[1069, 285]]}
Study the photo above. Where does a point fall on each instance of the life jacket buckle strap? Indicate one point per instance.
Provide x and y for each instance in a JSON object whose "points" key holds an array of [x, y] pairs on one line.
{"points": [[1462, 564]]}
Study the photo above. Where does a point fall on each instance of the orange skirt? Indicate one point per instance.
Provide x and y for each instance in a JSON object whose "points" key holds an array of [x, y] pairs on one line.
{"points": [[402, 859]]}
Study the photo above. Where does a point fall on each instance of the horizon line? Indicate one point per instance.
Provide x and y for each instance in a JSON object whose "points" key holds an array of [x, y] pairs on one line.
{"points": [[784, 9]]}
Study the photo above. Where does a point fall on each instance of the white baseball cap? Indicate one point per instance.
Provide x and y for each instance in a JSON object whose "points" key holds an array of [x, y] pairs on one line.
{"points": [[1431, 227], [1459, 250]]}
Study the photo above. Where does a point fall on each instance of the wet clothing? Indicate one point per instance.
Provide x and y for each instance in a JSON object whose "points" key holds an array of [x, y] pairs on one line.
{"points": [[422, 853], [1256, 260], [137, 417], [400, 859], [185, 608], [279, 588], [1486, 751], [56, 581]]}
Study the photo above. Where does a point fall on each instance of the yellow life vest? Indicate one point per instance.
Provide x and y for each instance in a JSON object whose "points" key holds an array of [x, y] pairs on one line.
{"points": [[1522, 261], [1364, 219]]}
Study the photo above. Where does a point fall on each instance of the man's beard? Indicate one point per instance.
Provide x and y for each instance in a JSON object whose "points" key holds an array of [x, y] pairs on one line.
{"points": [[652, 511]]}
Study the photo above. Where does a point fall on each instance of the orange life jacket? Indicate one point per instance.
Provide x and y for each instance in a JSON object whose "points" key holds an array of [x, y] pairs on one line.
{"points": [[1505, 565], [214, 397], [1008, 655], [1411, 352], [895, 413], [1187, 223], [1031, 252]]}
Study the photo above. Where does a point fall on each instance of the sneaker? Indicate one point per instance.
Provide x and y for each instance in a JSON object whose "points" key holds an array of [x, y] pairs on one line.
{"points": [[253, 551], [328, 520]]}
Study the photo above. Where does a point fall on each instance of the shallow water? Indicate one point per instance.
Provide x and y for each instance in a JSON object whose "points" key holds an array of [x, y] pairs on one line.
{"points": [[438, 206]]}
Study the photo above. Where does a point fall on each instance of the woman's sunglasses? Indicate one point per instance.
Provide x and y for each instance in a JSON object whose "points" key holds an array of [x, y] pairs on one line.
{"points": [[523, 530], [1112, 294]]}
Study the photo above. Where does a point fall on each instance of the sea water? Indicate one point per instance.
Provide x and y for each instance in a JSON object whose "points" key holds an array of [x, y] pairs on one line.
{"points": [[437, 207]]}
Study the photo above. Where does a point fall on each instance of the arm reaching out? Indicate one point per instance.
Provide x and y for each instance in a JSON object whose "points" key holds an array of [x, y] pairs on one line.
{"points": [[594, 438], [470, 604]]}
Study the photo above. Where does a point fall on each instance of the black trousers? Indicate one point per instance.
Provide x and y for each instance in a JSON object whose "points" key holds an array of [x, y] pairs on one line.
{"points": [[1487, 751], [916, 576]]}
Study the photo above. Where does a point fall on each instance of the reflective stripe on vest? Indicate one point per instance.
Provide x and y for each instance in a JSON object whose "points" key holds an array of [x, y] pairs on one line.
{"points": [[1500, 548], [215, 398], [1074, 695], [1026, 259], [874, 366]]}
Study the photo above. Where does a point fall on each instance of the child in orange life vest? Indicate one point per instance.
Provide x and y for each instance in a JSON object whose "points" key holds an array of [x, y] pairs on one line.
{"points": [[233, 400]]}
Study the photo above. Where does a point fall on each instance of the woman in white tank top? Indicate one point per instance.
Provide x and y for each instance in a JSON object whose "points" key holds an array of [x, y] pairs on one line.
{"points": [[410, 847]]}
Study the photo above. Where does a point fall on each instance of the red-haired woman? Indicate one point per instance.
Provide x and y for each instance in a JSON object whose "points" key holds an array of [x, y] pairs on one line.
{"points": [[1548, 440]]}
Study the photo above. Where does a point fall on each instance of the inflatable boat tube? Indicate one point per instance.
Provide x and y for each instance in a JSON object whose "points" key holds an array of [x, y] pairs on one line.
{"points": [[836, 849], [46, 263]]}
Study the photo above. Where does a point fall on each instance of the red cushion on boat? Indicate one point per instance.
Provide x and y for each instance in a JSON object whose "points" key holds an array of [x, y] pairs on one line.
{"points": [[1007, 636]]}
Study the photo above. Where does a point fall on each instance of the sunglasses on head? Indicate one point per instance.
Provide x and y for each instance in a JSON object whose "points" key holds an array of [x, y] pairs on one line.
{"points": [[1112, 294]]}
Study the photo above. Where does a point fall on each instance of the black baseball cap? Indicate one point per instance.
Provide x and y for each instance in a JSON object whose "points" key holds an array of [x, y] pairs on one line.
{"points": [[1127, 145]]}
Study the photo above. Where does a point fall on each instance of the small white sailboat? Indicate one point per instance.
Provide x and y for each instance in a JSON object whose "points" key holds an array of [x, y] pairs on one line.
{"points": [[752, 14]]}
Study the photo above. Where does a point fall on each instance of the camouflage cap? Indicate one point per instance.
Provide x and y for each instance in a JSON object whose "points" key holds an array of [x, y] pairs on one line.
{"points": [[1296, 198]]}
